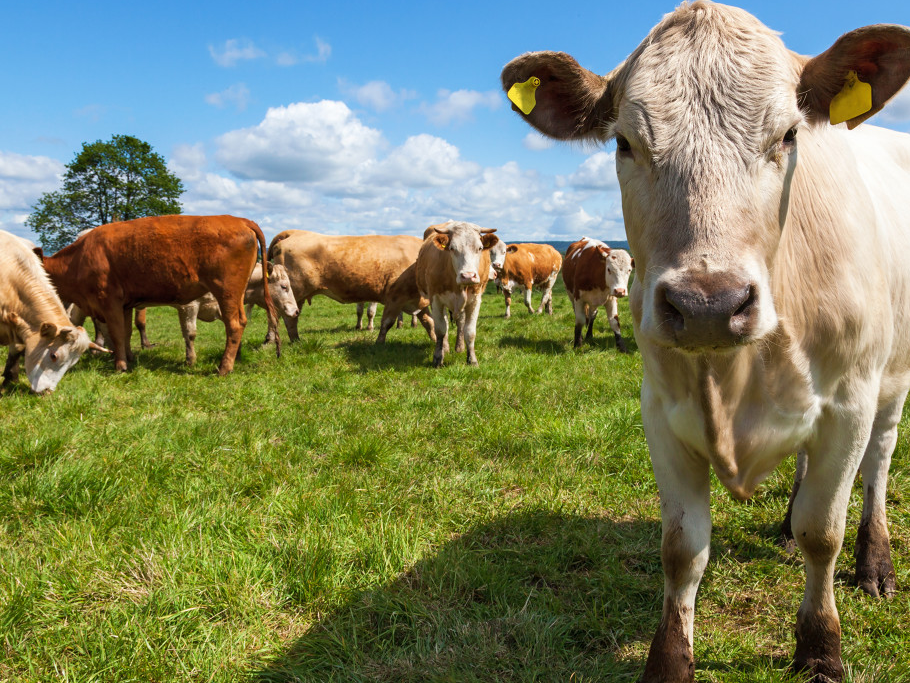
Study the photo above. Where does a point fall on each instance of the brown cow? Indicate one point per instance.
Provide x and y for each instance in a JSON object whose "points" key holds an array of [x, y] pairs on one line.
{"points": [[527, 265], [595, 276], [452, 271], [349, 269], [160, 261], [33, 321]]}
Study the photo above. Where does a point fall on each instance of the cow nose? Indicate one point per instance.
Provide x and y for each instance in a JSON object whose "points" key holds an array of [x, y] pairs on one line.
{"points": [[619, 292], [469, 276], [708, 311]]}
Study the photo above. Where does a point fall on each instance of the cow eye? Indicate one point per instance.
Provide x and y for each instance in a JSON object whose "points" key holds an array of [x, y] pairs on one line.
{"points": [[53, 357], [790, 137], [622, 145]]}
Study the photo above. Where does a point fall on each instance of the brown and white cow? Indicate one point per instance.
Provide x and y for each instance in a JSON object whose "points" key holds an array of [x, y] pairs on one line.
{"points": [[764, 328], [528, 265], [206, 307], [596, 275], [33, 322], [452, 271], [347, 268], [161, 261]]}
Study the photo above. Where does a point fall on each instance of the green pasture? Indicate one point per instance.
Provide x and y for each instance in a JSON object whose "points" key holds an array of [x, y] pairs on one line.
{"points": [[349, 513]]}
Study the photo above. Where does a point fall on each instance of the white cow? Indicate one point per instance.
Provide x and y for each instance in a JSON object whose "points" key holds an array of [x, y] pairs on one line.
{"points": [[764, 328]]}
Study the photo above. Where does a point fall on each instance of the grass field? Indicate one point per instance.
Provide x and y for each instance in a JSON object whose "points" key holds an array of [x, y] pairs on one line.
{"points": [[348, 513]]}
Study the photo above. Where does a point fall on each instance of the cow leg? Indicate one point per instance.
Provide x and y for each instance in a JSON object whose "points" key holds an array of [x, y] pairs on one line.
{"points": [[371, 315], [469, 332], [359, 324], [11, 369], [786, 527], [507, 293], [580, 317], [589, 334], [441, 325], [874, 569], [400, 322], [234, 320], [546, 299], [118, 323], [685, 496], [819, 516], [187, 316], [290, 323], [140, 325], [613, 316], [101, 332], [527, 293], [427, 321], [413, 320], [388, 319], [459, 330]]}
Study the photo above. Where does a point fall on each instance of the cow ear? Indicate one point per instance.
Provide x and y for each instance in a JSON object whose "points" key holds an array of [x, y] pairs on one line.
{"points": [[603, 249], [49, 330], [489, 240], [39, 252], [879, 55], [441, 241], [268, 268], [633, 261], [570, 102], [511, 249]]}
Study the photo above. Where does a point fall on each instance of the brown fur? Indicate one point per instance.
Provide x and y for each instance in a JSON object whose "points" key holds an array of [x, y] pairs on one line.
{"points": [[161, 260], [528, 265]]}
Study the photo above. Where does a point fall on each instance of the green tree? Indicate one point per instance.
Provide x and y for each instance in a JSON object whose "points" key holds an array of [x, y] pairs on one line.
{"points": [[109, 181]]}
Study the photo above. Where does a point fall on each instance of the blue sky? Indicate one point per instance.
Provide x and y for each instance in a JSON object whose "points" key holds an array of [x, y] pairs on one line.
{"points": [[343, 117]]}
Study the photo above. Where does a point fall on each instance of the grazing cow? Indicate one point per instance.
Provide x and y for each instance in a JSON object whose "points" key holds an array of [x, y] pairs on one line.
{"points": [[206, 307], [452, 271], [595, 276], [772, 306], [161, 261], [527, 265], [33, 322], [348, 269]]}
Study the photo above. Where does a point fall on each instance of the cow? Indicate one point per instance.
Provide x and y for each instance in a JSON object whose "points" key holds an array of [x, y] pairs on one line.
{"points": [[527, 265], [371, 315], [206, 307], [33, 321], [452, 271], [772, 306], [161, 261], [349, 269], [596, 275]]}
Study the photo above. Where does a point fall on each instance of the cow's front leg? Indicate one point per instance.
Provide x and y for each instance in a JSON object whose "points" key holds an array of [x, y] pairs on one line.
{"points": [[591, 314], [612, 308], [118, 322], [527, 294], [290, 323], [507, 293], [441, 326], [11, 369], [141, 326], [470, 315], [819, 515], [685, 497], [460, 303], [874, 569], [580, 316], [187, 316]]}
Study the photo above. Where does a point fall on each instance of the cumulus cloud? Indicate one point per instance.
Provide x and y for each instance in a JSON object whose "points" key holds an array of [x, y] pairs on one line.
{"points": [[303, 142], [23, 179], [597, 172], [290, 58], [233, 51], [424, 161], [537, 142], [376, 95], [459, 106], [897, 110], [237, 95]]}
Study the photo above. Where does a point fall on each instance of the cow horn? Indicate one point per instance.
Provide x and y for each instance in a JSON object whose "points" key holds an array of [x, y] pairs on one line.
{"points": [[95, 347], [487, 231]]}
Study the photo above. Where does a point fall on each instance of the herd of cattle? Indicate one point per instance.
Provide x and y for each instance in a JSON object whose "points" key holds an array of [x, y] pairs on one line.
{"points": [[771, 306], [205, 267]]}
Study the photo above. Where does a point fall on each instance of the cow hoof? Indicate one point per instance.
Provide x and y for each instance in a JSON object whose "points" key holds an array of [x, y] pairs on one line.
{"points": [[879, 584]]}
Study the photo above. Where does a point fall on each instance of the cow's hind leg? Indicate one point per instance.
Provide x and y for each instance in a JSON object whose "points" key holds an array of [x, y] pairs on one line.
{"points": [[874, 569], [580, 317], [527, 295], [11, 369], [591, 314], [469, 329], [141, 326], [118, 324], [612, 308], [371, 315], [187, 317], [441, 326], [786, 527]]}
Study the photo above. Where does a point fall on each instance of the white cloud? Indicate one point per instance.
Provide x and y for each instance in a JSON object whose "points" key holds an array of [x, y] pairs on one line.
{"points": [[459, 106], [23, 179], [424, 161], [377, 95], [188, 162], [897, 110], [237, 95], [597, 172], [323, 52], [537, 142], [303, 142], [234, 51]]}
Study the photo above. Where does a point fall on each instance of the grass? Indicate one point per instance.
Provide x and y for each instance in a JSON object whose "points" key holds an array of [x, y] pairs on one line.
{"points": [[348, 513]]}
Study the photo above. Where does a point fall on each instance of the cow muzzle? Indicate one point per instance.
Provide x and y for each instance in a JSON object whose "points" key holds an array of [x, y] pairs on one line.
{"points": [[707, 311], [468, 278], [619, 292]]}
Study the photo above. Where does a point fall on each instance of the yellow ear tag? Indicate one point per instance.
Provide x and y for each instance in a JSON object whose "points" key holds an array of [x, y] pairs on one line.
{"points": [[522, 95], [853, 100]]}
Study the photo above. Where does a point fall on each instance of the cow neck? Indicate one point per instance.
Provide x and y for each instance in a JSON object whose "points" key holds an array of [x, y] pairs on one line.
{"points": [[38, 302], [61, 269]]}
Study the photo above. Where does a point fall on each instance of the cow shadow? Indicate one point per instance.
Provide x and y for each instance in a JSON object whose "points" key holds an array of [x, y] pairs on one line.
{"points": [[547, 347], [393, 354], [533, 595]]}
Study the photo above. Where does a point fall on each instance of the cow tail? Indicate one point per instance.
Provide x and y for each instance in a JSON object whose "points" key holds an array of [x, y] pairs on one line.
{"points": [[269, 304]]}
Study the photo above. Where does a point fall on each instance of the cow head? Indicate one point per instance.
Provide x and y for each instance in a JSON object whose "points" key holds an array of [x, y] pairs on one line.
{"points": [[706, 114], [280, 290], [618, 265], [497, 258], [50, 352], [464, 242]]}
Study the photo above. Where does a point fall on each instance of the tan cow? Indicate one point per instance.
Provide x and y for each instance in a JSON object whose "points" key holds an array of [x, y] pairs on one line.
{"points": [[206, 307], [596, 275], [33, 322], [349, 269], [160, 261], [772, 305], [452, 271], [527, 265]]}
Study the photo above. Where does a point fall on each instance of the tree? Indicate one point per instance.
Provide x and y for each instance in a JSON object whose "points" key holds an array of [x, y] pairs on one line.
{"points": [[109, 181]]}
